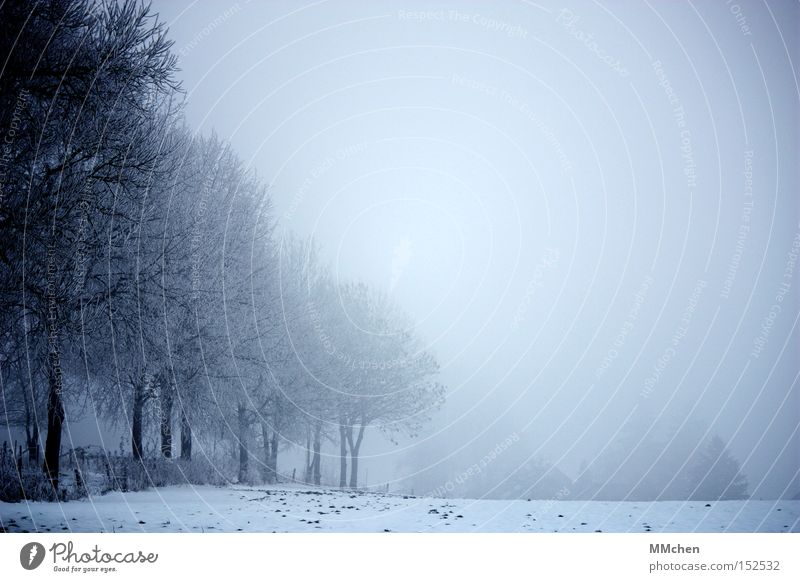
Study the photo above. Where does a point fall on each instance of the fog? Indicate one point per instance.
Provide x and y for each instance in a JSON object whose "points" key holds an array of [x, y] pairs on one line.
{"points": [[547, 221], [590, 210]]}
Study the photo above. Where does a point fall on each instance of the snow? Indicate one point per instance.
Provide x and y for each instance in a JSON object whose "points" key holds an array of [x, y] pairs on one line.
{"points": [[303, 509]]}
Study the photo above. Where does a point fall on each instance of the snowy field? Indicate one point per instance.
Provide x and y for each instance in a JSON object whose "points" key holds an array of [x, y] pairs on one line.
{"points": [[302, 509]]}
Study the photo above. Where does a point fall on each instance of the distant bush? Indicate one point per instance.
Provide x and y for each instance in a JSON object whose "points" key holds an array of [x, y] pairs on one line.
{"points": [[17, 482]]}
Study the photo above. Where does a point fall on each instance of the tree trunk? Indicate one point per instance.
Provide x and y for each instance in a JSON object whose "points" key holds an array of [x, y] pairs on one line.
{"points": [[307, 471], [265, 472], [354, 448], [166, 421], [342, 455], [272, 467], [33, 445], [242, 418], [166, 402], [315, 463], [186, 438], [31, 434], [55, 418], [354, 469], [136, 426], [270, 461]]}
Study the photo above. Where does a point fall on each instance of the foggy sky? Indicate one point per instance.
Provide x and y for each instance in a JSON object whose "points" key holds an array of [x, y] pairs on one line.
{"points": [[588, 208]]}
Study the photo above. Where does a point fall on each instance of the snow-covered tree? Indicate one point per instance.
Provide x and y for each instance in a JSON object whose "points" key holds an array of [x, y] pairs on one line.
{"points": [[388, 379]]}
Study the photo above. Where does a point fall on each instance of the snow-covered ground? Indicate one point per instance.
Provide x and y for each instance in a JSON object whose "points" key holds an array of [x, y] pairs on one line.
{"points": [[303, 509]]}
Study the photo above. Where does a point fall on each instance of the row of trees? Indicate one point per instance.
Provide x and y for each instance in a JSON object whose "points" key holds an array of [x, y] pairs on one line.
{"points": [[142, 276]]}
